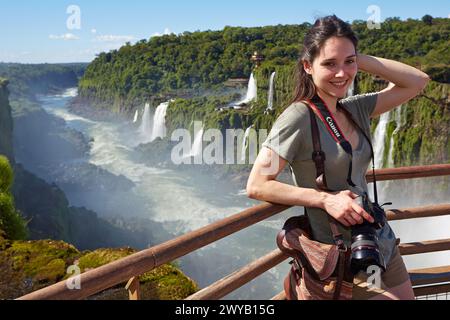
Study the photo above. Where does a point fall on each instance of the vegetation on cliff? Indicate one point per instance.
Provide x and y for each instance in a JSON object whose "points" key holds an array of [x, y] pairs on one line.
{"points": [[31, 265], [27, 80], [122, 79], [6, 123], [11, 222]]}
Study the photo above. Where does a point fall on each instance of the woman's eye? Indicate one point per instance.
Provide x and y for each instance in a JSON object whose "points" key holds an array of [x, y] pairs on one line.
{"points": [[350, 61], [328, 64]]}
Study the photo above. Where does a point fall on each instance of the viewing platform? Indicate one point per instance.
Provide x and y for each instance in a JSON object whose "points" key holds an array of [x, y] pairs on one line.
{"points": [[427, 282]]}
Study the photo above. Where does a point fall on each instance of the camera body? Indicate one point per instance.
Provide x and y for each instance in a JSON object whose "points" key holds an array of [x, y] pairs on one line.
{"points": [[365, 250]]}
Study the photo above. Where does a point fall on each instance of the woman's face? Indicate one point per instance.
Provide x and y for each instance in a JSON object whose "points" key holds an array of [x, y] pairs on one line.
{"points": [[334, 68]]}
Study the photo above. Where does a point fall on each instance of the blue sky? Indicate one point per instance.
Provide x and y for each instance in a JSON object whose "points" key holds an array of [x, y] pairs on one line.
{"points": [[37, 31]]}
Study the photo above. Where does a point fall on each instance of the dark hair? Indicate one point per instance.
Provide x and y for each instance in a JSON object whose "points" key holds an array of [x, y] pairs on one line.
{"points": [[323, 29]]}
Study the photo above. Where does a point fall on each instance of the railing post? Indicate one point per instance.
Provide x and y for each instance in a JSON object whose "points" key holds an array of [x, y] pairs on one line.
{"points": [[133, 288]]}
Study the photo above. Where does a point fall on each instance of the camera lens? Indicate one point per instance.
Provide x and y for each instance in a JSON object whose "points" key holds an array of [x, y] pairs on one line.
{"points": [[365, 252]]}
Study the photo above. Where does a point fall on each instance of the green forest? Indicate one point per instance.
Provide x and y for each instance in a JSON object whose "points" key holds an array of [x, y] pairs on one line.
{"points": [[193, 68], [163, 65], [27, 80]]}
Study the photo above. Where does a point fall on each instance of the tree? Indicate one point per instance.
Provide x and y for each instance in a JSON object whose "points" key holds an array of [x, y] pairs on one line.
{"points": [[427, 19], [11, 223]]}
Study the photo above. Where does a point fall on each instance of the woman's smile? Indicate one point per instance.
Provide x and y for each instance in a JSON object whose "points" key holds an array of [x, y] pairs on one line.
{"points": [[339, 84]]}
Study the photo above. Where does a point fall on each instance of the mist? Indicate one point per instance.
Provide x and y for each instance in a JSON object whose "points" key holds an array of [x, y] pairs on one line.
{"points": [[98, 165]]}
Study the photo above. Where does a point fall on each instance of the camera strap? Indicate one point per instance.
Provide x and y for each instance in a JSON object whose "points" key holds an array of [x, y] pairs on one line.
{"points": [[331, 124], [319, 157]]}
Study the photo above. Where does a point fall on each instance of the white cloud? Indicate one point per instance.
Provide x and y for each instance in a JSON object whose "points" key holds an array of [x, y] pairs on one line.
{"points": [[113, 38], [166, 32], [93, 30], [65, 37]]}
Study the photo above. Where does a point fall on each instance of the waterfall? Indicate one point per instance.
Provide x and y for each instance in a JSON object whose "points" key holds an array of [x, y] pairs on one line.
{"points": [[270, 96], [252, 89], [145, 128], [378, 139], [196, 149], [197, 146], [245, 143], [251, 93], [136, 114], [351, 89], [398, 121], [159, 122]]}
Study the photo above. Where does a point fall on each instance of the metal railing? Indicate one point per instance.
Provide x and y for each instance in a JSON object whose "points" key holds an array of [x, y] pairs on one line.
{"points": [[128, 269]]}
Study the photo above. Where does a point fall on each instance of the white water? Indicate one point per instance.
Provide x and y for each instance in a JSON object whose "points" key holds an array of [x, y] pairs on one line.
{"points": [[351, 89], [185, 203], [159, 122], [412, 193], [270, 94], [197, 145], [379, 139], [145, 130], [245, 143], [136, 115], [399, 124], [252, 89], [252, 92]]}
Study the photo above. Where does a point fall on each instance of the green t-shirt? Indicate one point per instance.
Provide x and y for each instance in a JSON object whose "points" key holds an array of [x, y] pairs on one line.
{"points": [[291, 139]]}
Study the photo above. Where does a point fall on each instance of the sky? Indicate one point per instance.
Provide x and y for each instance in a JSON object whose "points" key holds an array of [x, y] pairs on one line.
{"points": [[58, 31]]}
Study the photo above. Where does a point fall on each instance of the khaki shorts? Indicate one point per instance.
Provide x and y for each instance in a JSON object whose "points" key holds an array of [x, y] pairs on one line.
{"points": [[395, 275]]}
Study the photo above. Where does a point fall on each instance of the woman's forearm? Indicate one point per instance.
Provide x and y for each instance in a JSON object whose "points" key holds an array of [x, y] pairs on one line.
{"points": [[277, 192], [400, 74]]}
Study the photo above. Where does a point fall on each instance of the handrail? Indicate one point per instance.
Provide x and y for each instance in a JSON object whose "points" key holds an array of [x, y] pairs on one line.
{"points": [[424, 247], [429, 276], [122, 270], [436, 289], [409, 172], [238, 278], [222, 287], [418, 212]]}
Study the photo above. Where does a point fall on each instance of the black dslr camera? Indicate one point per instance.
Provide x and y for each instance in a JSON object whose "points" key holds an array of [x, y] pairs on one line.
{"points": [[365, 251]]}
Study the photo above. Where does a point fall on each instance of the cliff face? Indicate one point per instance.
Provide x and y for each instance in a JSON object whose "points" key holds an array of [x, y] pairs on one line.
{"points": [[6, 122], [27, 266]]}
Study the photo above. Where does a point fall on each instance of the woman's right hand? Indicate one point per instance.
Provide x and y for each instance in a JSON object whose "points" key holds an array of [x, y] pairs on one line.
{"points": [[343, 207]]}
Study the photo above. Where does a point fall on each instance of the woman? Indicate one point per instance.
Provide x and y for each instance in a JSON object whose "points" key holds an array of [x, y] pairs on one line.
{"points": [[327, 67]]}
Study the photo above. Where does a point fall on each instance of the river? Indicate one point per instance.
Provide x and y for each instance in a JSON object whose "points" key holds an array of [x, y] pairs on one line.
{"points": [[184, 201], [181, 200]]}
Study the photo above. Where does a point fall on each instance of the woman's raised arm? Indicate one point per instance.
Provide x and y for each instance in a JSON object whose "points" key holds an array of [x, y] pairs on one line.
{"points": [[407, 81]]}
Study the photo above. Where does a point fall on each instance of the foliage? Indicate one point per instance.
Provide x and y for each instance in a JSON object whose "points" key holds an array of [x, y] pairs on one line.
{"points": [[166, 282], [11, 221], [26, 80], [31, 265], [127, 77]]}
